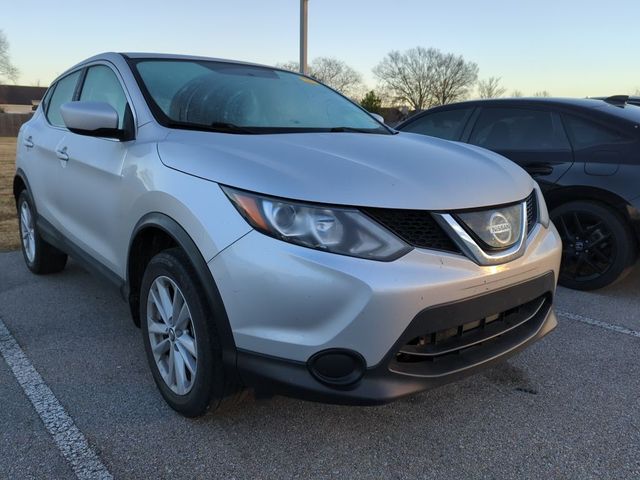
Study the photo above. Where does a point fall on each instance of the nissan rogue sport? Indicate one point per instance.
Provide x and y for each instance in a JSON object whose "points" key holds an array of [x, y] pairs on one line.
{"points": [[268, 233]]}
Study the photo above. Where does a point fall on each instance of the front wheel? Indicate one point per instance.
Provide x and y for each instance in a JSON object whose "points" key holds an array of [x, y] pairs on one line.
{"points": [[598, 246], [182, 345]]}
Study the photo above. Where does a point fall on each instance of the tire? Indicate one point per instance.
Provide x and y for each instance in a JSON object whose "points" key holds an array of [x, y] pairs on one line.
{"points": [[40, 256], [198, 382], [598, 246]]}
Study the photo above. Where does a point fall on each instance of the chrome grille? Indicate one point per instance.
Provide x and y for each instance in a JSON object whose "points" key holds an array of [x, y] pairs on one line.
{"points": [[416, 227], [419, 228], [532, 211]]}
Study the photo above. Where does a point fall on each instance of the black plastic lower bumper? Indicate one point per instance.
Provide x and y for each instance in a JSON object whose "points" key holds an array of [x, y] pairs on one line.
{"points": [[390, 380]]}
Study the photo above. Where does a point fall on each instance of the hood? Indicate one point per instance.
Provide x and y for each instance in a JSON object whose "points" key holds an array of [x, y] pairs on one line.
{"points": [[405, 171]]}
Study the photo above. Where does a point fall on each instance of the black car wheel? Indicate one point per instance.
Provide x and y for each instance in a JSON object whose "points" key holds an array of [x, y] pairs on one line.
{"points": [[598, 246], [182, 345]]}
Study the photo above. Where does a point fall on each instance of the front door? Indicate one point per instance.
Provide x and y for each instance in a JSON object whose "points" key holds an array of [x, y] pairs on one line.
{"points": [[533, 138], [92, 184]]}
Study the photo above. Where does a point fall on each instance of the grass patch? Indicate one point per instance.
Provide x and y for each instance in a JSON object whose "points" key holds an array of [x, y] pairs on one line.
{"points": [[9, 238]]}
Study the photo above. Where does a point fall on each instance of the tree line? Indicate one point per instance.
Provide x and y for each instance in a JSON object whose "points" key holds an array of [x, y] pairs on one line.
{"points": [[419, 78]]}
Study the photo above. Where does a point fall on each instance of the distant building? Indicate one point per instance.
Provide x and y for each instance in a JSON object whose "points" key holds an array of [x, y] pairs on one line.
{"points": [[20, 99]]}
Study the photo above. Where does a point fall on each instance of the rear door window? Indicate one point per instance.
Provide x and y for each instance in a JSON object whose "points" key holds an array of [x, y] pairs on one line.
{"points": [[519, 129], [63, 92], [585, 133], [446, 124]]}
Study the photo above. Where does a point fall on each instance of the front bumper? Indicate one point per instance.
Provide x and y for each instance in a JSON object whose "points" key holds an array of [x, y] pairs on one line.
{"points": [[393, 379], [286, 303]]}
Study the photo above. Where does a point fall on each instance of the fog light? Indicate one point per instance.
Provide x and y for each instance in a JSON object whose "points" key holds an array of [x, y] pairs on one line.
{"points": [[337, 366]]}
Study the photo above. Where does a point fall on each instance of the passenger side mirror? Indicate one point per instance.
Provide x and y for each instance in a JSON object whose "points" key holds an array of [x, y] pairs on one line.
{"points": [[94, 119], [378, 117]]}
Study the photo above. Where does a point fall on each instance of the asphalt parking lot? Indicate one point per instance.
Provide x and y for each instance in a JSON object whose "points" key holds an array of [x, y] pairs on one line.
{"points": [[568, 407]]}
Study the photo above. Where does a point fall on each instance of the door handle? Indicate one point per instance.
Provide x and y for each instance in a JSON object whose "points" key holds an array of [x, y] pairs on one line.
{"points": [[539, 169], [28, 142], [62, 154]]}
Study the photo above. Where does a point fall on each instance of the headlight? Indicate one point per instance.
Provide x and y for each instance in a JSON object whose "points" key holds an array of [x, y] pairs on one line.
{"points": [[336, 230]]}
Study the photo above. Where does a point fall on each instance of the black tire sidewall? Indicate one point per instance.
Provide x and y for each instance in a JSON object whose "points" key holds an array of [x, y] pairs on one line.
{"points": [[208, 388], [622, 238]]}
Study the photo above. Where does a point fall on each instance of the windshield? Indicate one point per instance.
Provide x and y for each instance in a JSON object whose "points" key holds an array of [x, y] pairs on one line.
{"points": [[238, 98]]}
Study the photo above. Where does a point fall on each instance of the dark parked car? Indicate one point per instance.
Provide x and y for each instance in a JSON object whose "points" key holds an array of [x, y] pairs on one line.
{"points": [[585, 154]]}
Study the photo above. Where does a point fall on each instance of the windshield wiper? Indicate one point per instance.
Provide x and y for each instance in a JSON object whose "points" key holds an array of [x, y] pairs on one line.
{"points": [[230, 128], [221, 127], [356, 130]]}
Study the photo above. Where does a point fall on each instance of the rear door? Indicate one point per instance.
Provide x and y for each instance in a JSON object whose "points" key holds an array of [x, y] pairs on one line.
{"points": [[534, 138], [601, 148], [42, 139], [91, 187]]}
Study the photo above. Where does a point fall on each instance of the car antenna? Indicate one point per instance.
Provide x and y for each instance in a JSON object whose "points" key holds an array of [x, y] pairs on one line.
{"points": [[618, 100]]}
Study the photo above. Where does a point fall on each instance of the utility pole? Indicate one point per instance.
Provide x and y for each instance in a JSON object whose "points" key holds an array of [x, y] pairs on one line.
{"points": [[304, 8]]}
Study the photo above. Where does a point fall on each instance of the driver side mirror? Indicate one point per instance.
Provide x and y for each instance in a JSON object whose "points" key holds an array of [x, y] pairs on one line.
{"points": [[378, 117], [94, 119]]}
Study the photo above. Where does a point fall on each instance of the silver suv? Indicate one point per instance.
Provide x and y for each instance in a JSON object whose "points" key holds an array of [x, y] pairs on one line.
{"points": [[269, 233]]}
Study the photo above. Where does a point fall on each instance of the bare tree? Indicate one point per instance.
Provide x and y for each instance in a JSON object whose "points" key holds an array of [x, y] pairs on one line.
{"points": [[542, 93], [337, 74], [7, 70], [407, 76], [516, 94], [332, 72], [453, 78], [490, 88], [425, 77]]}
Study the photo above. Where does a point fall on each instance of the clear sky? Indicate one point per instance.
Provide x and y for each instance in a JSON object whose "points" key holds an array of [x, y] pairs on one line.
{"points": [[568, 47]]}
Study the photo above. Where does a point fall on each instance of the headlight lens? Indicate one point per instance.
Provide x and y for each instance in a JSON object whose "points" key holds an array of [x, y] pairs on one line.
{"points": [[336, 230]]}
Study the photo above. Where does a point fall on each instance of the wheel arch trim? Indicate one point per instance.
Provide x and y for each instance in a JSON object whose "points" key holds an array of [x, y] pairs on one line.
{"points": [[628, 210], [564, 194], [21, 176], [183, 240]]}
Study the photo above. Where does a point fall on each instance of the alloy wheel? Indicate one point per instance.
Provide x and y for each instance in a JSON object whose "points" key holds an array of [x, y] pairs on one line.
{"points": [[172, 335], [27, 232], [588, 247]]}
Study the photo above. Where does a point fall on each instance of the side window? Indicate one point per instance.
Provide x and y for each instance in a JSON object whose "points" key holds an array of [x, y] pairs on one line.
{"points": [[448, 124], [516, 129], [102, 85], [47, 98], [62, 93], [585, 134]]}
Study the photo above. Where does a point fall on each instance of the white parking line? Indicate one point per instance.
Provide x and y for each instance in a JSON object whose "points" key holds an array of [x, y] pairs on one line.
{"points": [[599, 323], [69, 439]]}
